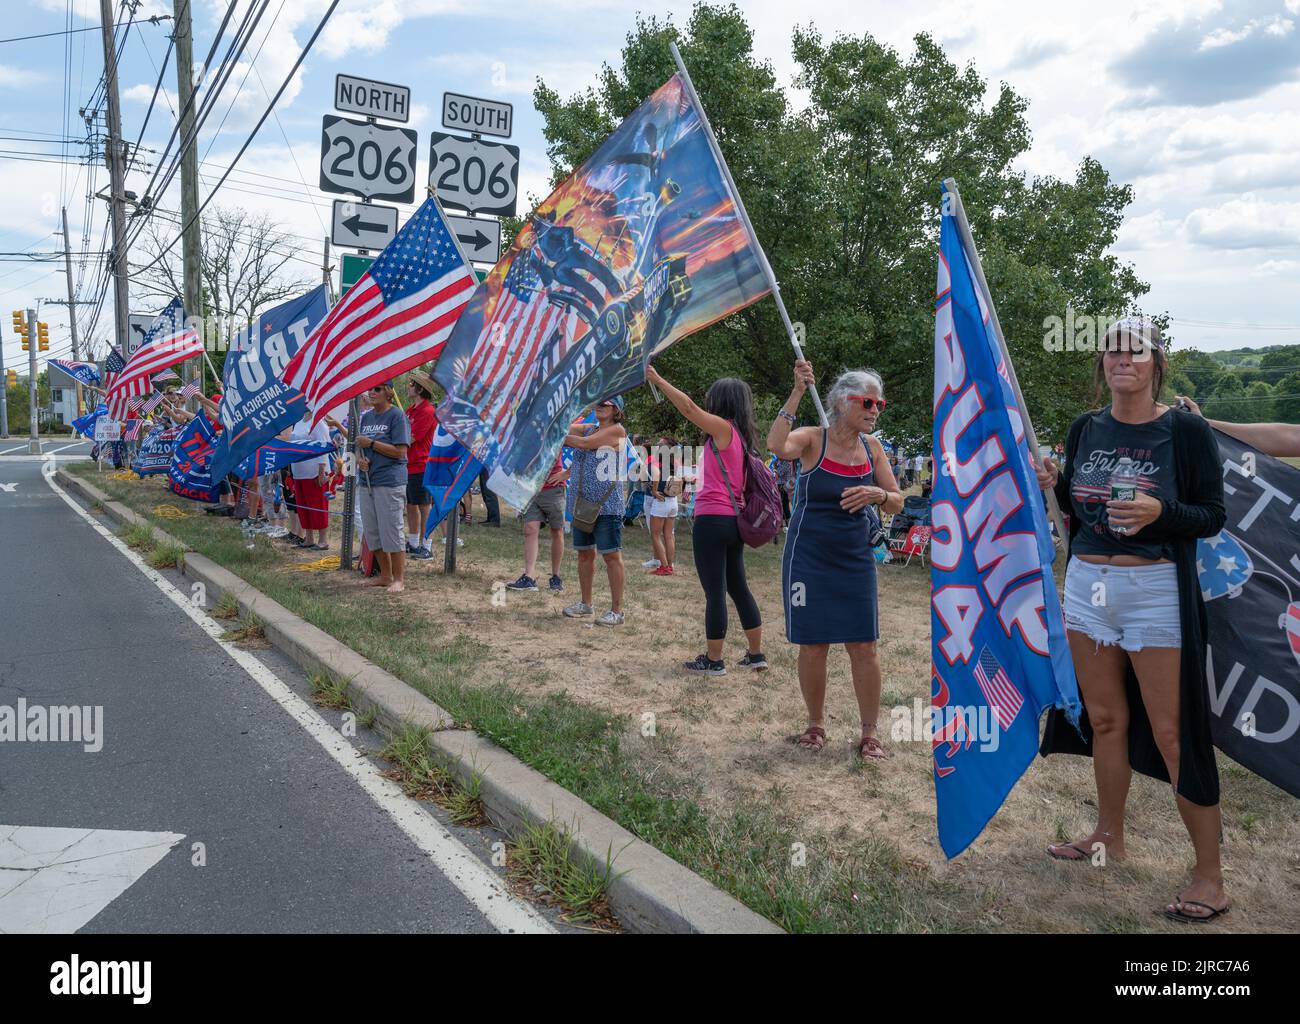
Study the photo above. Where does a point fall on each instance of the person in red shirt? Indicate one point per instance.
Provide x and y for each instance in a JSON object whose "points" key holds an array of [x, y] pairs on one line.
{"points": [[418, 500]]}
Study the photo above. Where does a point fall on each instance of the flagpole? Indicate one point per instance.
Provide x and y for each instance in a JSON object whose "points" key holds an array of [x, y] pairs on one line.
{"points": [[744, 219], [973, 258]]}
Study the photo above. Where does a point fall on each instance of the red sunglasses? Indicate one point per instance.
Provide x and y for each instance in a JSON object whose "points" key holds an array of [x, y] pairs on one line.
{"points": [[869, 403]]}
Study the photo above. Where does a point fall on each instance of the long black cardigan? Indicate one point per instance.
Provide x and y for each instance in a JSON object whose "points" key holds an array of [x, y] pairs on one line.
{"points": [[1198, 511]]}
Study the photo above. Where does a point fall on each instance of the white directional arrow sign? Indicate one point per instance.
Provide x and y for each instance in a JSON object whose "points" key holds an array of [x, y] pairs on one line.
{"points": [[479, 237], [363, 225], [54, 880]]}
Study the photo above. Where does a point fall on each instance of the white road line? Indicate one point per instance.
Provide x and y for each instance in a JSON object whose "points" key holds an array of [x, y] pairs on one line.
{"points": [[65, 448], [449, 855], [21, 447]]}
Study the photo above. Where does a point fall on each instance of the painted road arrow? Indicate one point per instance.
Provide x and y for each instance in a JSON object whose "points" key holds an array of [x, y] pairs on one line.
{"points": [[55, 880], [479, 237]]}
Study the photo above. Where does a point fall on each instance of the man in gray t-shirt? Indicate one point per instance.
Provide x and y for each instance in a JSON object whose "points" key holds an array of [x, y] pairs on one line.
{"points": [[382, 439]]}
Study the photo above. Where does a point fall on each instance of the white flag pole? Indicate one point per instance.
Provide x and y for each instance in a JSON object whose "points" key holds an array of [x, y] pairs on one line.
{"points": [[973, 259], [744, 219]]}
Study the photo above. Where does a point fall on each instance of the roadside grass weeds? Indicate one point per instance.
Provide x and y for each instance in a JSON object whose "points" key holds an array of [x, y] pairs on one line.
{"points": [[167, 555], [227, 607], [541, 861], [250, 631], [139, 538], [329, 692], [423, 777]]}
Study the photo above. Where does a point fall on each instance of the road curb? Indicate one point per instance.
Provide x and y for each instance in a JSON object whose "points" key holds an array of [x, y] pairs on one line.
{"points": [[650, 893]]}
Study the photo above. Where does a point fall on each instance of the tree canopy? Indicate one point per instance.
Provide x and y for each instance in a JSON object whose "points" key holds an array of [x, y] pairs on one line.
{"points": [[842, 181]]}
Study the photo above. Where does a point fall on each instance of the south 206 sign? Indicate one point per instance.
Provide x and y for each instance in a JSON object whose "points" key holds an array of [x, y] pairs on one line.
{"points": [[473, 174], [370, 160]]}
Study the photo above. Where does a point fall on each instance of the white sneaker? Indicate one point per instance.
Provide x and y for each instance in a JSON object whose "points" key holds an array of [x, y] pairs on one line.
{"points": [[577, 610], [650, 563]]}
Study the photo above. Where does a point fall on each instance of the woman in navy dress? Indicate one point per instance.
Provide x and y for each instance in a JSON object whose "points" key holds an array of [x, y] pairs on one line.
{"points": [[828, 569]]}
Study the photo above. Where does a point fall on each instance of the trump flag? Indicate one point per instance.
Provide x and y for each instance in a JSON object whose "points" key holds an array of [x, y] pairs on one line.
{"points": [[642, 245], [449, 473], [999, 656]]}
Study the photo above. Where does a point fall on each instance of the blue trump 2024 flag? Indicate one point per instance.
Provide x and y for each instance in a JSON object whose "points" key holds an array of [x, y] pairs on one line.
{"points": [[190, 474], [999, 656], [255, 403], [85, 425], [450, 472], [155, 454], [277, 454]]}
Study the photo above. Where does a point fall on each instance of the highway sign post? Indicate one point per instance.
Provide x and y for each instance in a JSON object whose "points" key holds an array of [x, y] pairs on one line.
{"points": [[479, 237], [473, 174], [363, 225], [372, 99], [351, 269], [365, 159], [477, 116]]}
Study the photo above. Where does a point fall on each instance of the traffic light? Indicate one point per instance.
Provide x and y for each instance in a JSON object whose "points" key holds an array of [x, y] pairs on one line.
{"points": [[11, 378], [20, 329], [42, 336]]}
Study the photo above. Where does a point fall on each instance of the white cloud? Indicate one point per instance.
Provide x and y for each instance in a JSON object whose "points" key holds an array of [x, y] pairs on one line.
{"points": [[19, 78], [1246, 223]]}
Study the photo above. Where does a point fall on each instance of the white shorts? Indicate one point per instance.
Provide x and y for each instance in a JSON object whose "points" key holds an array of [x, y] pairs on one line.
{"points": [[662, 508], [1134, 606]]}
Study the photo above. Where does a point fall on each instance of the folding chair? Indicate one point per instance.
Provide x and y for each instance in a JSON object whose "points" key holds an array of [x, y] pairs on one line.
{"points": [[915, 543]]}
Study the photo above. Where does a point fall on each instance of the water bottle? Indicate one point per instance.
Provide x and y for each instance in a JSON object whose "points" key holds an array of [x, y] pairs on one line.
{"points": [[1123, 486]]}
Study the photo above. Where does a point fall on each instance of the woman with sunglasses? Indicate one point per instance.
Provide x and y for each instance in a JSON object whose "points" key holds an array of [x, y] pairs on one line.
{"points": [[598, 474], [1134, 616], [828, 568]]}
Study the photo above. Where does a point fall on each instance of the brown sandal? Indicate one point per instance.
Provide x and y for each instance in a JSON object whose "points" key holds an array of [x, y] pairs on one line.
{"points": [[813, 738], [871, 749]]}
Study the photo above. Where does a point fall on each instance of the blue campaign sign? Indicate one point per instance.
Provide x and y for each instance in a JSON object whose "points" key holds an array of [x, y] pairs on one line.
{"points": [[255, 403], [190, 473]]}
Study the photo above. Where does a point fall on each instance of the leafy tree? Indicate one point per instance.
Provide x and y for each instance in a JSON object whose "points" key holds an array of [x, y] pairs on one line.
{"points": [[1201, 368], [1286, 399], [844, 196], [1278, 362]]}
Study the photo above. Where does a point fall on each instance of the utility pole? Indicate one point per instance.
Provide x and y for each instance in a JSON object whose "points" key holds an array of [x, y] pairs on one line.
{"points": [[326, 277], [72, 307], [191, 243], [4, 393], [115, 154], [33, 389]]}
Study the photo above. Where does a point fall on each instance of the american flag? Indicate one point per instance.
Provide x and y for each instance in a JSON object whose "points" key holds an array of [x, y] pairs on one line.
{"points": [[150, 403], [166, 375], [132, 430], [398, 316], [528, 329], [170, 340], [189, 391], [998, 690], [113, 365]]}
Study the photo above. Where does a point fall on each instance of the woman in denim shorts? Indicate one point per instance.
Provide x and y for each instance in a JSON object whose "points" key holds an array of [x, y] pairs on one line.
{"points": [[1133, 609], [597, 474]]}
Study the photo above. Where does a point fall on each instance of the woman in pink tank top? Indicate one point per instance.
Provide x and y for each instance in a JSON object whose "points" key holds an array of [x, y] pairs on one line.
{"points": [[727, 421]]}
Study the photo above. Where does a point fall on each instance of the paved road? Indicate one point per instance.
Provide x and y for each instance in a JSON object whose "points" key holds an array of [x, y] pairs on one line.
{"points": [[193, 746], [65, 447]]}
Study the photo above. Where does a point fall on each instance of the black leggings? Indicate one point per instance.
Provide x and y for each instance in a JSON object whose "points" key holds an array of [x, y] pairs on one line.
{"points": [[720, 565]]}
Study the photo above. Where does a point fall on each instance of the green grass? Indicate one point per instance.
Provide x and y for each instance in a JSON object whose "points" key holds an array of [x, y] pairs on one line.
{"points": [[139, 538], [541, 857], [249, 630], [745, 849], [227, 607], [426, 778], [166, 556], [329, 692]]}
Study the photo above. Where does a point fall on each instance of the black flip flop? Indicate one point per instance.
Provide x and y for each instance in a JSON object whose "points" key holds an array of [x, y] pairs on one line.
{"points": [[1214, 912]]}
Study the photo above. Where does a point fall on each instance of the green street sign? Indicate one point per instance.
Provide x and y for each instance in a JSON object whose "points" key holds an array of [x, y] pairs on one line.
{"points": [[352, 270]]}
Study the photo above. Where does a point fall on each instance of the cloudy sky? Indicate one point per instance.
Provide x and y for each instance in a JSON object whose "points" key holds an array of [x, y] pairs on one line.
{"points": [[1195, 103]]}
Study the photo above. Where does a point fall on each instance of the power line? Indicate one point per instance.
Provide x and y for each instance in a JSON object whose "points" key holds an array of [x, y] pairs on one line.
{"points": [[257, 127], [48, 35]]}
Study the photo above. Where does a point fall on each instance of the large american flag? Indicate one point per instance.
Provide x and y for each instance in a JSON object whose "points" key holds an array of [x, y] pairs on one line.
{"points": [[397, 317], [998, 689], [170, 340]]}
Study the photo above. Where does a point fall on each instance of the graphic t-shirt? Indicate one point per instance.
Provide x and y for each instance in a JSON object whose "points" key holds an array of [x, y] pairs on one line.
{"points": [[389, 427], [1102, 444]]}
